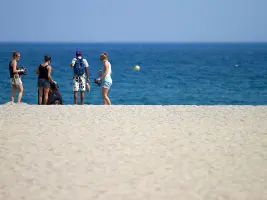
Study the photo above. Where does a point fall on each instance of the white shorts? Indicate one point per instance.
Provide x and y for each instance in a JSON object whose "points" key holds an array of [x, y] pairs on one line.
{"points": [[16, 81], [79, 84]]}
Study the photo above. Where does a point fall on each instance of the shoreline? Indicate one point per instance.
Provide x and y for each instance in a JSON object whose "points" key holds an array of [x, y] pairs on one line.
{"points": [[178, 105]]}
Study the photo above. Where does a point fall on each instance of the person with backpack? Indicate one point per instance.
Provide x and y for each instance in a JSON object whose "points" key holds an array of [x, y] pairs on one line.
{"points": [[80, 76]]}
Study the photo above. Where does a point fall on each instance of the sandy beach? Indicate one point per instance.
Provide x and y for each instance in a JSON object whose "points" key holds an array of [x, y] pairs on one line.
{"points": [[133, 152]]}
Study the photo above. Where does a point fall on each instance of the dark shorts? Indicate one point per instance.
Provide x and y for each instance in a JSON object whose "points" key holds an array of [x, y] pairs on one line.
{"points": [[43, 83]]}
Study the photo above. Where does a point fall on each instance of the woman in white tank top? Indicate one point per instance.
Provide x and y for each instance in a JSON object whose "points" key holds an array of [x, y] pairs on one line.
{"points": [[105, 79]]}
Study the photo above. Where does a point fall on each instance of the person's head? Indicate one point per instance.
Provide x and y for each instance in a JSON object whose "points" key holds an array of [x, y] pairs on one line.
{"points": [[16, 55], [104, 56], [78, 53], [47, 59]]}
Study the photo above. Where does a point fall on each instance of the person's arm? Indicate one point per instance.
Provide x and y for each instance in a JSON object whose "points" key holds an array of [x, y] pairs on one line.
{"points": [[49, 74], [14, 65], [87, 74], [105, 70], [86, 65], [73, 62], [37, 70]]}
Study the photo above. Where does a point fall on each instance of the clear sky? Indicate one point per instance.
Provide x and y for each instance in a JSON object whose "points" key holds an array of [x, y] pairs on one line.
{"points": [[133, 20]]}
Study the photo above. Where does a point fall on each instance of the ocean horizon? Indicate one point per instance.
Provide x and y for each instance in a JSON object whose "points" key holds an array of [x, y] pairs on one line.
{"points": [[172, 73]]}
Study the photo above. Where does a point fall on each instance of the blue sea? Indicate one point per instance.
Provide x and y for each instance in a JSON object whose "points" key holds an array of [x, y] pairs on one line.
{"points": [[170, 74]]}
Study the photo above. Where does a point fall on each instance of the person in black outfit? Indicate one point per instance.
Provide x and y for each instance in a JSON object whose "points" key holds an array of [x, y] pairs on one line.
{"points": [[44, 79], [15, 79]]}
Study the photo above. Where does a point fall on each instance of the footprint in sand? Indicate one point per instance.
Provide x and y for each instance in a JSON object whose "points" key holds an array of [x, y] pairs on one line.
{"points": [[1, 123]]}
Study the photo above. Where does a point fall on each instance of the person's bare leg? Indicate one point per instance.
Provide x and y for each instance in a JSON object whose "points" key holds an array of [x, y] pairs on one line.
{"points": [[41, 92], [21, 90], [75, 95], [105, 96], [46, 92], [13, 92], [82, 97], [104, 101]]}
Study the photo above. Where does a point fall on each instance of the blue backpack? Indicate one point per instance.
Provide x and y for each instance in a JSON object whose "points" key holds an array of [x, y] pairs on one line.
{"points": [[79, 68]]}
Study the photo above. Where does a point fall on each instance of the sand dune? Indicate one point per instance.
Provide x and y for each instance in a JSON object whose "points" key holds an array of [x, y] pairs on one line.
{"points": [[133, 152]]}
